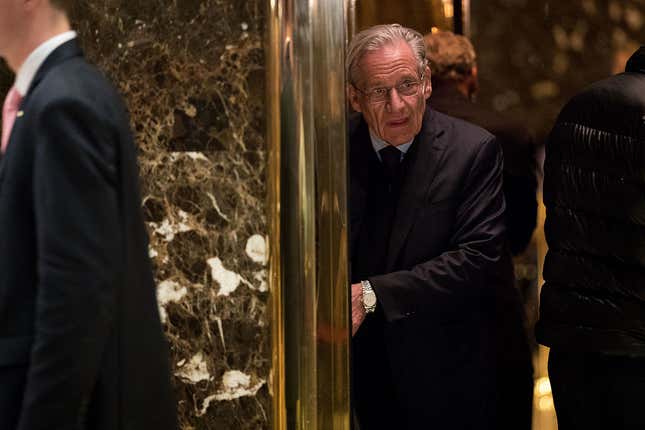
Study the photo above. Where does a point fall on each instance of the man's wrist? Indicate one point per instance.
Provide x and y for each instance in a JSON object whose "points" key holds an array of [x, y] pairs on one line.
{"points": [[369, 297]]}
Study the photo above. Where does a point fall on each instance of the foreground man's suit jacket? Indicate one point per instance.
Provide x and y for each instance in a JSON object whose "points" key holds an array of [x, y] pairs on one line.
{"points": [[446, 302], [81, 345], [520, 165]]}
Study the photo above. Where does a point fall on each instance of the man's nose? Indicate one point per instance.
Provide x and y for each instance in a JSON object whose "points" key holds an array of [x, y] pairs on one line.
{"points": [[395, 101]]}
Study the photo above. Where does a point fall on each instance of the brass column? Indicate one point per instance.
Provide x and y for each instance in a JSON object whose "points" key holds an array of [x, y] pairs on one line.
{"points": [[308, 214]]}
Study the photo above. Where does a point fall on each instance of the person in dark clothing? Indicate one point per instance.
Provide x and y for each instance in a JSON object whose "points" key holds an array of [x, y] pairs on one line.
{"points": [[431, 273], [592, 311], [81, 342], [455, 83]]}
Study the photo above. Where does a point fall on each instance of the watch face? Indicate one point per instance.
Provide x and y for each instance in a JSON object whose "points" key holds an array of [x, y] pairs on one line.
{"points": [[369, 299]]}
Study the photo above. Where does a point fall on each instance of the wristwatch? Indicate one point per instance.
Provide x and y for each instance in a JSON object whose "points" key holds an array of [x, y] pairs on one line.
{"points": [[369, 298]]}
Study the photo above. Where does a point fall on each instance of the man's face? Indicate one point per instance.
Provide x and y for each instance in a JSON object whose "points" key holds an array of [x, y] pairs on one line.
{"points": [[397, 118]]}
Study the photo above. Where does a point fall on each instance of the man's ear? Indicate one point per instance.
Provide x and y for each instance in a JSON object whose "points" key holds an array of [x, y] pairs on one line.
{"points": [[427, 83], [353, 97], [474, 82], [31, 4]]}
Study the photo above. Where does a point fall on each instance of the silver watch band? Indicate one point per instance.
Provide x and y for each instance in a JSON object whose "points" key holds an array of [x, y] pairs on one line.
{"points": [[369, 297]]}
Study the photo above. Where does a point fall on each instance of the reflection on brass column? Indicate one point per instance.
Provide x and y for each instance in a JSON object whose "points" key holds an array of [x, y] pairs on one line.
{"points": [[329, 103], [465, 10], [420, 15], [350, 14], [273, 51], [306, 134], [544, 417]]}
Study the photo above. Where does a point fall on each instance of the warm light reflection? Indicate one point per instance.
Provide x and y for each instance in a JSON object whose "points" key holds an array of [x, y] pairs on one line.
{"points": [[543, 387], [546, 403], [434, 30], [543, 394], [448, 8]]}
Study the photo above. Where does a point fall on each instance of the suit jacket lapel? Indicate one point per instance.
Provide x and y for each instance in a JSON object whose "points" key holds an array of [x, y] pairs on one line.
{"points": [[65, 51], [429, 146], [3, 167]]}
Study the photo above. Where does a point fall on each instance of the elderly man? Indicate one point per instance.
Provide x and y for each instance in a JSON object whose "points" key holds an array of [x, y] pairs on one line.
{"points": [[81, 345], [430, 271]]}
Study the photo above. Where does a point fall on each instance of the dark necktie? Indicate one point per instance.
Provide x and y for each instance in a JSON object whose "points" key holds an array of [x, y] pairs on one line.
{"points": [[391, 158]]}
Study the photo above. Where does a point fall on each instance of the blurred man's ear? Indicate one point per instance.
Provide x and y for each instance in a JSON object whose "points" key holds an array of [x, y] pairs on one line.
{"points": [[427, 83], [473, 82], [32, 4], [353, 97]]}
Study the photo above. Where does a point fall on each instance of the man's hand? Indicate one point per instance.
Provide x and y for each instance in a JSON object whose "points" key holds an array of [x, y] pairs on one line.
{"points": [[358, 310]]}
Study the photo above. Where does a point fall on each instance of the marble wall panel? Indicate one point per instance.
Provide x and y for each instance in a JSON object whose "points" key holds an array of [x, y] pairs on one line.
{"points": [[192, 74]]}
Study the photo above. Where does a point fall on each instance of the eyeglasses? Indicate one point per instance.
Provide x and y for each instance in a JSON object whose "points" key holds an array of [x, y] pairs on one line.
{"points": [[382, 94]]}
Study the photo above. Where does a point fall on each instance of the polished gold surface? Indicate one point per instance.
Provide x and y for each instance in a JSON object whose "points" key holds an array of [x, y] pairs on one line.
{"points": [[465, 5], [272, 51], [421, 15], [328, 43], [544, 417], [308, 214]]}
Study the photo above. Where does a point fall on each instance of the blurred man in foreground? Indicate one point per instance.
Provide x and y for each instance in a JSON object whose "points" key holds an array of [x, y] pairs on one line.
{"points": [[81, 345], [592, 307]]}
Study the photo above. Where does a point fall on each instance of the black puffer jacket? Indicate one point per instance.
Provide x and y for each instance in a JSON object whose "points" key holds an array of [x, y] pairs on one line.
{"points": [[594, 190]]}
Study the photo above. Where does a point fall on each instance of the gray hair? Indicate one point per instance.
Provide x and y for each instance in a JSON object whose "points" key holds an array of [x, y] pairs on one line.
{"points": [[378, 36]]}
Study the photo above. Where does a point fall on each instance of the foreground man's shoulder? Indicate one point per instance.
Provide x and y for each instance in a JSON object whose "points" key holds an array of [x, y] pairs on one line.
{"points": [[460, 136], [75, 80]]}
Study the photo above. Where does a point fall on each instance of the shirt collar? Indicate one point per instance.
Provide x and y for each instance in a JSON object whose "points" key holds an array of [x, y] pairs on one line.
{"points": [[30, 67], [379, 144]]}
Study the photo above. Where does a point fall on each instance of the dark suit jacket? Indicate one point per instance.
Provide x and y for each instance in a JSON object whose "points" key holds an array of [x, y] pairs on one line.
{"points": [[520, 165], [446, 292], [81, 345]]}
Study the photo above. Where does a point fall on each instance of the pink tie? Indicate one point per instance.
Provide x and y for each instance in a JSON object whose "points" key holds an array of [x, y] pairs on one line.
{"points": [[9, 112]]}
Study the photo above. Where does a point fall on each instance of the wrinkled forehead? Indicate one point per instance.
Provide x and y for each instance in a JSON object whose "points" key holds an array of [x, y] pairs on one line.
{"points": [[392, 60]]}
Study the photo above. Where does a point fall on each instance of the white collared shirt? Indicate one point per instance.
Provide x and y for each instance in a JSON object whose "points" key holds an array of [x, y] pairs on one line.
{"points": [[29, 68], [379, 144]]}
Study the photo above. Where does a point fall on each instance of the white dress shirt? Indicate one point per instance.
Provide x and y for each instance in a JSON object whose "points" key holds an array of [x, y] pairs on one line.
{"points": [[29, 68], [379, 144]]}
